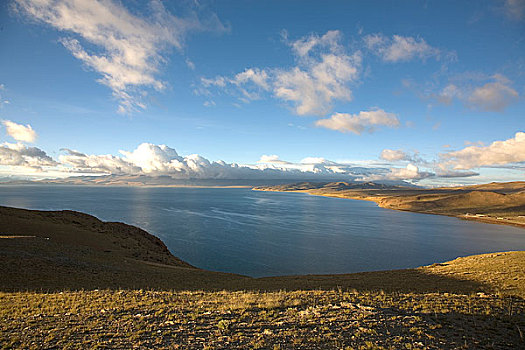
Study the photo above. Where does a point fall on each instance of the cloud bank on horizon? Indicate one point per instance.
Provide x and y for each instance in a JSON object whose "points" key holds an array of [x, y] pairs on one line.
{"points": [[382, 102], [162, 160]]}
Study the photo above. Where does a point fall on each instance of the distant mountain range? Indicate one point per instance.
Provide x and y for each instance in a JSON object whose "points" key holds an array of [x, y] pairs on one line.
{"points": [[168, 181]]}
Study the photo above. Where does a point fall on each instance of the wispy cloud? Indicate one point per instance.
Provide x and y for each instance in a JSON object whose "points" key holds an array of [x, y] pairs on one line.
{"points": [[399, 48], [20, 132], [364, 121], [127, 50]]}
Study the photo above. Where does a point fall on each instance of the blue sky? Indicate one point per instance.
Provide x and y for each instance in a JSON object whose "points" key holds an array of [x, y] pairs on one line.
{"points": [[423, 91]]}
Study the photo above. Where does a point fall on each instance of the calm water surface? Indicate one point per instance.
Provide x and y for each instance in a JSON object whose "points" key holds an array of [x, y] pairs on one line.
{"points": [[265, 233]]}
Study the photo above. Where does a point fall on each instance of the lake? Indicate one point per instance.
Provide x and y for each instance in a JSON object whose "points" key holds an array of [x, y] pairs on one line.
{"points": [[271, 233]]}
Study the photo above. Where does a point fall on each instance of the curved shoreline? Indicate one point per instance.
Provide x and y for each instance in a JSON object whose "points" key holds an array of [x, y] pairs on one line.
{"points": [[380, 201], [57, 250]]}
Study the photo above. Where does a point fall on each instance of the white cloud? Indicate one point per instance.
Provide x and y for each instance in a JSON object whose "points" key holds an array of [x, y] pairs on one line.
{"points": [[129, 49], [497, 153], [271, 159], [20, 155], [321, 77], [399, 48], [161, 160], [395, 155], [358, 123], [494, 97], [156, 160], [20, 132], [305, 45]]}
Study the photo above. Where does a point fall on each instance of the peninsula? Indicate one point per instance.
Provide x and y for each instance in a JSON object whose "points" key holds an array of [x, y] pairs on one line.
{"points": [[495, 203]]}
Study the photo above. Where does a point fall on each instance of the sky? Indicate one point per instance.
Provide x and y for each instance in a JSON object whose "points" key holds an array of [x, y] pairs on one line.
{"points": [[428, 92]]}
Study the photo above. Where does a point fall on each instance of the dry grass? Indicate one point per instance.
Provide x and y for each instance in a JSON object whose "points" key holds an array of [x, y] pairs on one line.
{"points": [[278, 320]]}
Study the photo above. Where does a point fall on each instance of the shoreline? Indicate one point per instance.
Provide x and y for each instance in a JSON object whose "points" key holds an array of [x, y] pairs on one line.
{"points": [[71, 250], [377, 200]]}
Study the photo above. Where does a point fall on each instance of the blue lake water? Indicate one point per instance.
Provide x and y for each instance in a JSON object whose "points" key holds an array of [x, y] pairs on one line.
{"points": [[266, 233]]}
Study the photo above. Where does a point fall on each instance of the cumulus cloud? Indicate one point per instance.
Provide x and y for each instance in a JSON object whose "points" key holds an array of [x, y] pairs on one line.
{"points": [[497, 153], [19, 132], [161, 160], [154, 160], [399, 48], [130, 49], [493, 97], [322, 75], [358, 123], [18, 154]]}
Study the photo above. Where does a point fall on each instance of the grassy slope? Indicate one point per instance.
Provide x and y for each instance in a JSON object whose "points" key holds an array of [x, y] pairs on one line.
{"points": [[64, 251], [500, 203]]}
